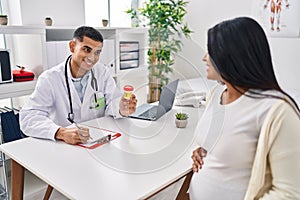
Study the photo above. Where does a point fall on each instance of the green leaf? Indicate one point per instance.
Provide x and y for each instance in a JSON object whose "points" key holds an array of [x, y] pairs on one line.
{"points": [[165, 22], [181, 116]]}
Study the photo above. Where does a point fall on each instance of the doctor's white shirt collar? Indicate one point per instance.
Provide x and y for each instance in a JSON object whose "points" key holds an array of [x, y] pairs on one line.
{"points": [[80, 84]]}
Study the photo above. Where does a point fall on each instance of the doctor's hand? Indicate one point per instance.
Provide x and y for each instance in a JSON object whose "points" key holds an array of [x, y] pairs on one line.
{"points": [[197, 157], [127, 106], [72, 135]]}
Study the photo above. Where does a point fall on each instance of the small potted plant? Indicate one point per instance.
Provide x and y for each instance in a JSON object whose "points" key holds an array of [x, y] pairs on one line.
{"points": [[48, 21], [104, 22], [3, 19], [181, 120]]}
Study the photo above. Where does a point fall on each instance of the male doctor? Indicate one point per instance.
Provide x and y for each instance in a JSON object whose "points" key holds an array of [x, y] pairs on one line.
{"points": [[76, 90]]}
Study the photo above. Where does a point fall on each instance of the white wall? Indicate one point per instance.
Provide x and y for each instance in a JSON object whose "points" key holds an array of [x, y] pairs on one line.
{"points": [[33, 12], [96, 10], [66, 12], [13, 9], [204, 14]]}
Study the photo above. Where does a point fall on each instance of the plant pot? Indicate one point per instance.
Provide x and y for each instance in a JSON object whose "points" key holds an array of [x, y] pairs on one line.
{"points": [[181, 123], [48, 21], [3, 20], [104, 22], [154, 87]]}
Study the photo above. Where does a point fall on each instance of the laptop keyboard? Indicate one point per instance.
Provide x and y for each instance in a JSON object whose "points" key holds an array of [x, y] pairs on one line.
{"points": [[151, 113]]}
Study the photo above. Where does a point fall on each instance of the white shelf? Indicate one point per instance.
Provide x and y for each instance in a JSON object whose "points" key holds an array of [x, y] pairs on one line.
{"points": [[16, 89], [65, 33], [22, 30]]}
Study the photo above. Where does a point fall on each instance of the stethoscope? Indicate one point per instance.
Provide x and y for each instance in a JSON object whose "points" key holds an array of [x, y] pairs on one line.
{"points": [[93, 84]]}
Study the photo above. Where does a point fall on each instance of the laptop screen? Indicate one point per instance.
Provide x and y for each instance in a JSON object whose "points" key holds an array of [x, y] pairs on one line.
{"points": [[167, 98]]}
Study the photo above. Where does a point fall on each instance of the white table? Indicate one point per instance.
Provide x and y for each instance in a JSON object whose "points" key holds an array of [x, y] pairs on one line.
{"points": [[147, 157]]}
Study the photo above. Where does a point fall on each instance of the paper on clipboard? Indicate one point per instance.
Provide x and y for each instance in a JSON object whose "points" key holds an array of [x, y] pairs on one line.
{"points": [[99, 137]]}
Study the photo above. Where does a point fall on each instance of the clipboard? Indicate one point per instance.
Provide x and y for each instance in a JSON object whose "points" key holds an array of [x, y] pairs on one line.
{"points": [[99, 136]]}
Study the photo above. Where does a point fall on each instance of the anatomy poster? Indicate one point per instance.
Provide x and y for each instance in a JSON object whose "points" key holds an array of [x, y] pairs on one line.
{"points": [[280, 18]]}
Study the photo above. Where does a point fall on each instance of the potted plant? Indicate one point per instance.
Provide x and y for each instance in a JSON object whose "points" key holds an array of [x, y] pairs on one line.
{"points": [[166, 26], [3, 19], [181, 120], [104, 22], [48, 21]]}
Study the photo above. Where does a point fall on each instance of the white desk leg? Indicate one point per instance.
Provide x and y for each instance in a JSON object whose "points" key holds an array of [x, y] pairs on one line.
{"points": [[17, 181]]}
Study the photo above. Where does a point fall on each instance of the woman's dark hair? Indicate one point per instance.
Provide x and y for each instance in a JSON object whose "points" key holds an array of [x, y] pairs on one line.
{"points": [[240, 53], [89, 32]]}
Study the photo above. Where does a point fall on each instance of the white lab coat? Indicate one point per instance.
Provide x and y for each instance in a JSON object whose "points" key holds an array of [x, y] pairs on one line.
{"points": [[48, 107]]}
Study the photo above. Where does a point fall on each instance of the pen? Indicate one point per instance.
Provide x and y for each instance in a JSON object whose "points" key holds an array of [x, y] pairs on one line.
{"points": [[103, 140], [80, 128]]}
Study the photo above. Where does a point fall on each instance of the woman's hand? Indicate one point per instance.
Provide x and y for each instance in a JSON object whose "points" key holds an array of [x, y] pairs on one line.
{"points": [[197, 157]]}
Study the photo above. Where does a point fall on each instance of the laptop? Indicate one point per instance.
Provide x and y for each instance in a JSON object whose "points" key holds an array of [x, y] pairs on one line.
{"points": [[154, 112]]}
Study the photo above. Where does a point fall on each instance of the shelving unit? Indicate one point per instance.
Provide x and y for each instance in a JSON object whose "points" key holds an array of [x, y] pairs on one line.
{"points": [[111, 47], [16, 89], [22, 30], [51, 39], [57, 38], [18, 40]]}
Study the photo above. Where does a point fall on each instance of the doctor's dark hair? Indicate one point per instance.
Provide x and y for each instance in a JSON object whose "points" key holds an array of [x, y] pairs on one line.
{"points": [[240, 53], [89, 32]]}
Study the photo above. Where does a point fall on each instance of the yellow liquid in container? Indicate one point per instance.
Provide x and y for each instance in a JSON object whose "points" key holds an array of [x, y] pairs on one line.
{"points": [[128, 90]]}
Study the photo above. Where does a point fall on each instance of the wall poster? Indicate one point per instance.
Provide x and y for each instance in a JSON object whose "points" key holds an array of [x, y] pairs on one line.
{"points": [[280, 18]]}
